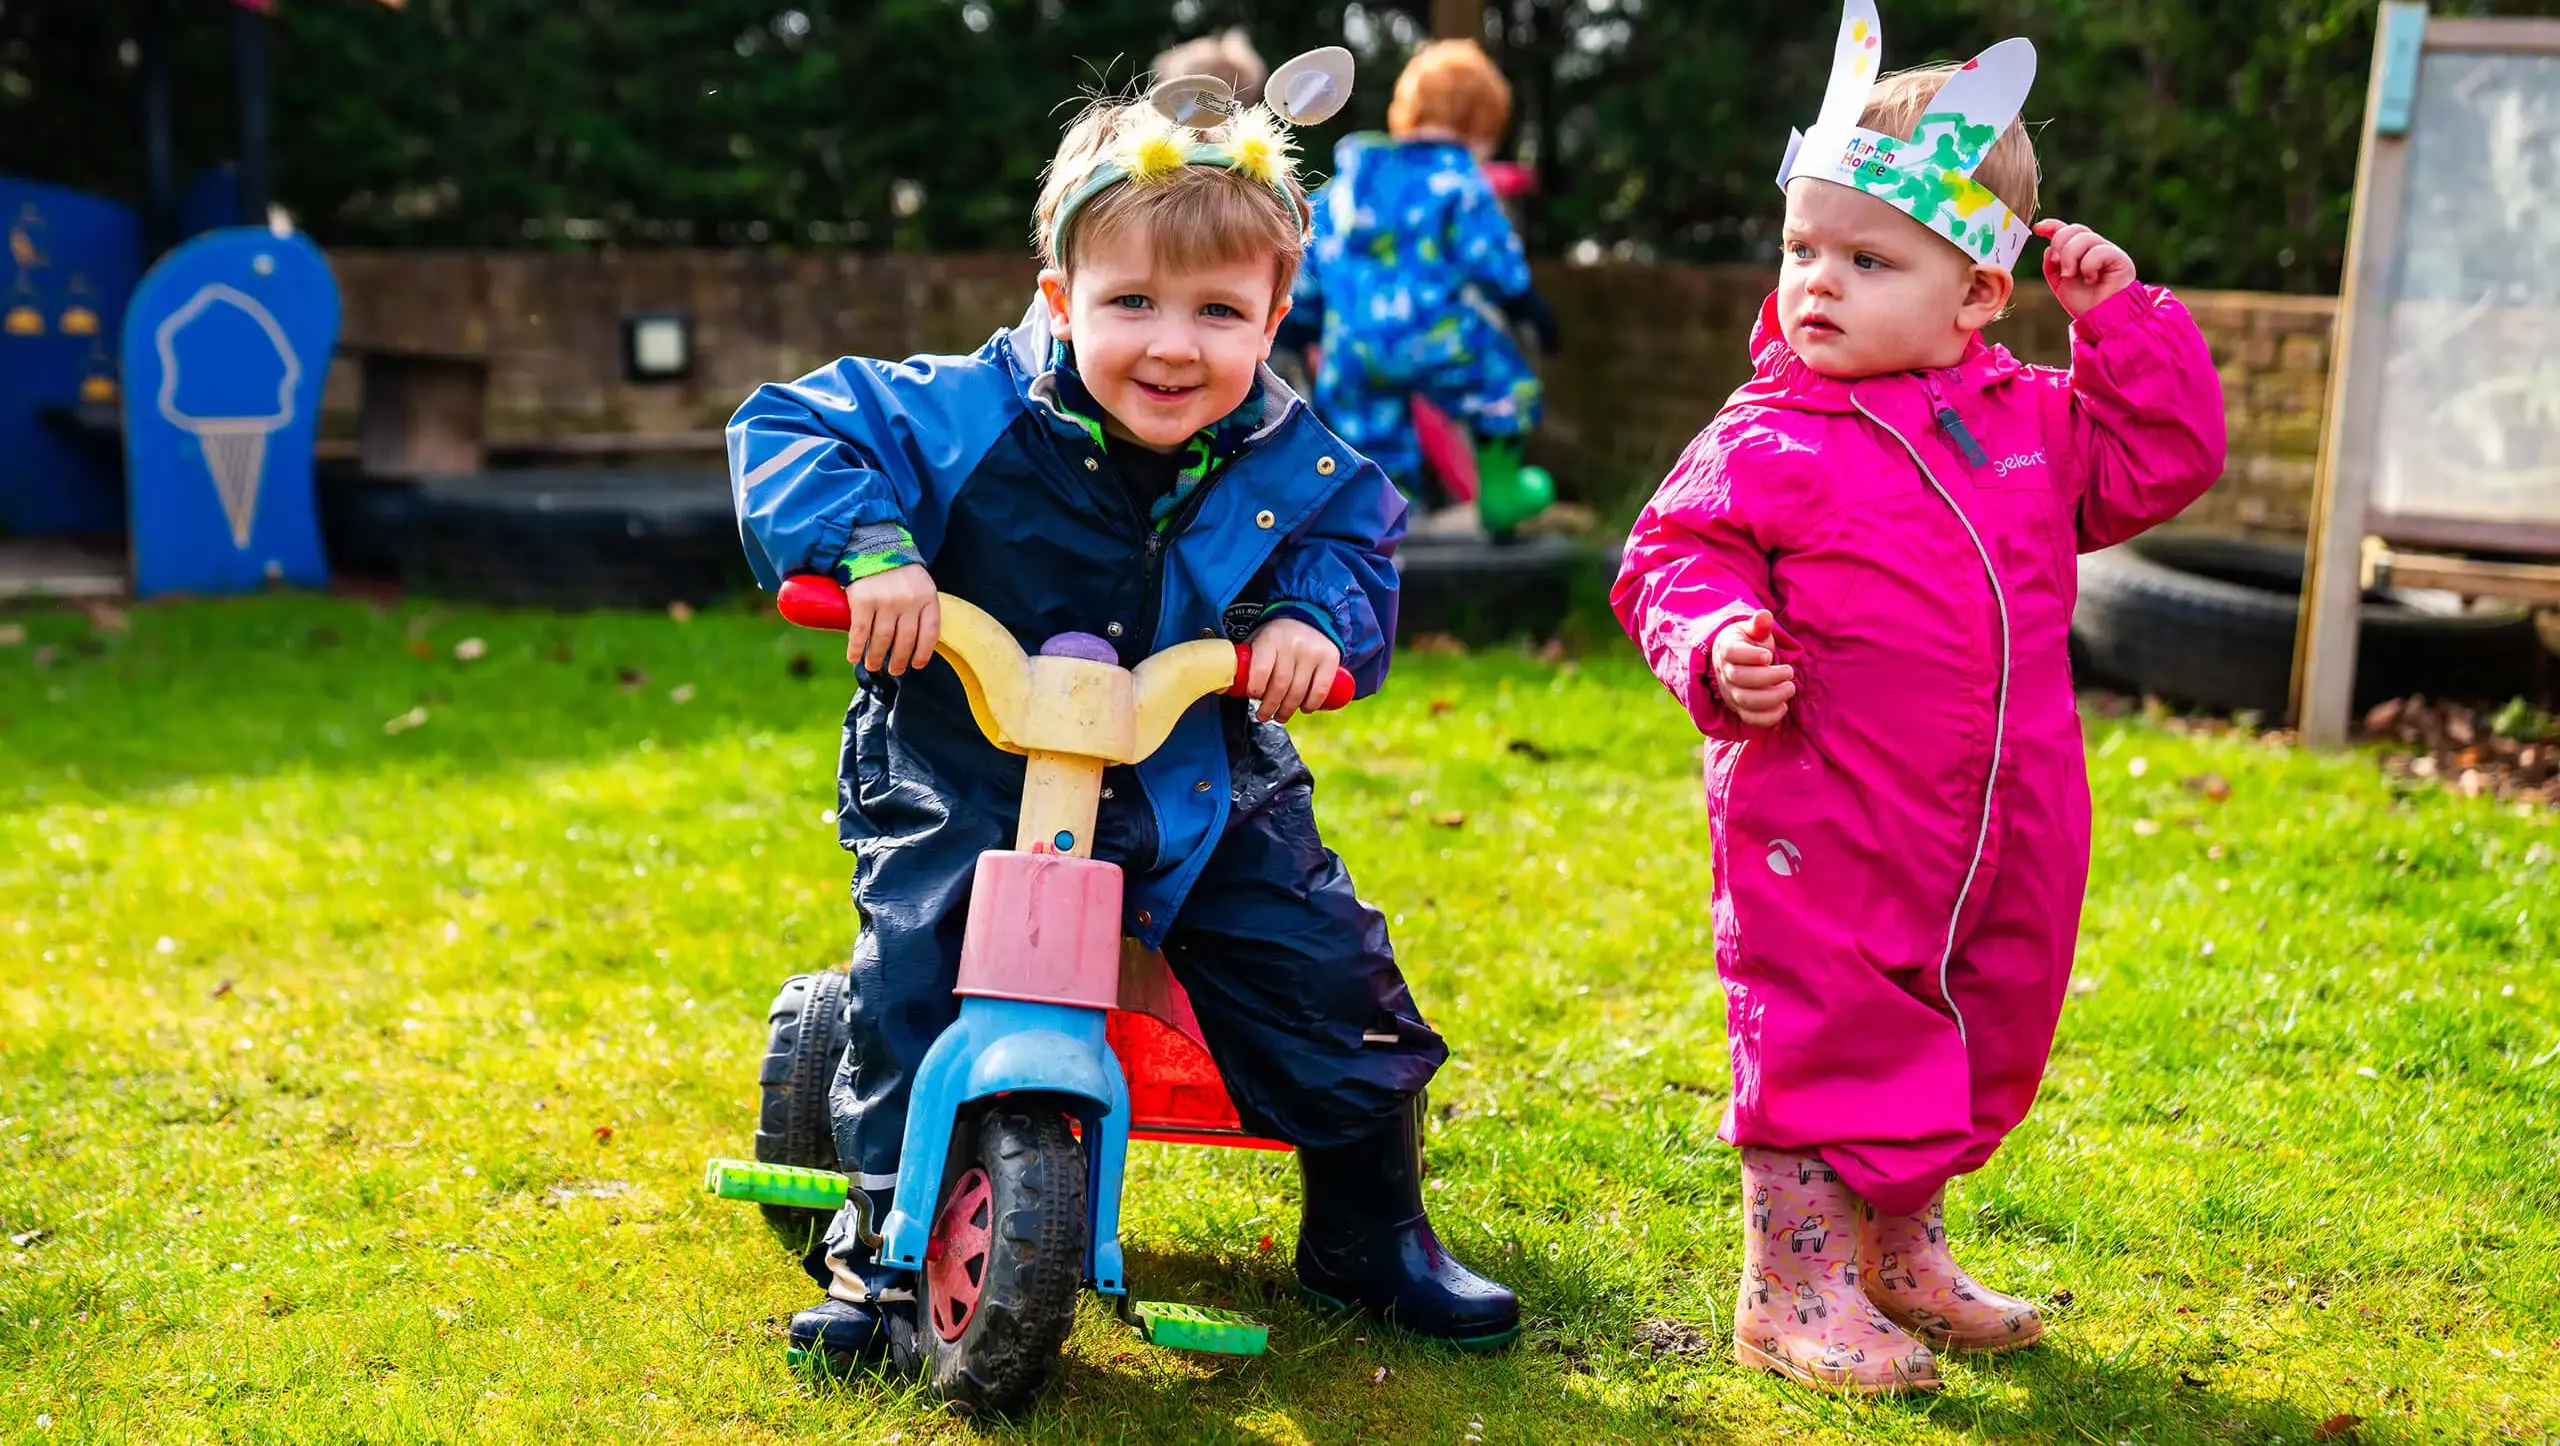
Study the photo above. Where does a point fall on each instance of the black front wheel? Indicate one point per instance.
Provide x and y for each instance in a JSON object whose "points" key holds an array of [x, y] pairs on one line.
{"points": [[1004, 1262]]}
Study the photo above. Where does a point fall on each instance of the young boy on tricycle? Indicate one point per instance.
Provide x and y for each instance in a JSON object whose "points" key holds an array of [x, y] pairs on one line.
{"points": [[1122, 465]]}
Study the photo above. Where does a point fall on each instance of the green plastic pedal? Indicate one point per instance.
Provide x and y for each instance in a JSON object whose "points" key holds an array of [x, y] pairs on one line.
{"points": [[764, 1184], [1200, 1328]]}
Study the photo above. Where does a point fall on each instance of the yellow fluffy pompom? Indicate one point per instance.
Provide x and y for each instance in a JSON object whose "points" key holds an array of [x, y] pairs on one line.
{"points": [[1262, 149], [1155, 157]]}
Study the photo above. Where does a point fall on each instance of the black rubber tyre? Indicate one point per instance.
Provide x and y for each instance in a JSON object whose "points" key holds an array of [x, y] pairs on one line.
{"points": [[2209, 622], [805, 1038], [1032, 1169], [574, 538], [1481, 591]]}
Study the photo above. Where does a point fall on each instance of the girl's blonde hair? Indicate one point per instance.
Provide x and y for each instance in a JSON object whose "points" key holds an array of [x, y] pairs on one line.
{"points": [[1200, 215], [1454, 85], [2009, 170]]}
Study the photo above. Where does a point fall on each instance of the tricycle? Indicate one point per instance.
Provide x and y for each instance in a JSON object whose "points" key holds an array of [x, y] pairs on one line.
{"points": [[1070, 1041]]}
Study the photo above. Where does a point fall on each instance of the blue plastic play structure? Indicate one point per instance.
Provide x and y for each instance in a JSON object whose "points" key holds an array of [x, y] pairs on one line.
{"points": [[226, 348]]}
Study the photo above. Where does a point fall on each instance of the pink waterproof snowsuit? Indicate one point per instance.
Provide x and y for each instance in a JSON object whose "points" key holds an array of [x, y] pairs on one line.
{"points": [[1899, 864]]}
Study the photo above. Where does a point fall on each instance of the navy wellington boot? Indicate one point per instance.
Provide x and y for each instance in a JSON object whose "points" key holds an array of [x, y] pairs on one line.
{"points": [[1364, 1241]]}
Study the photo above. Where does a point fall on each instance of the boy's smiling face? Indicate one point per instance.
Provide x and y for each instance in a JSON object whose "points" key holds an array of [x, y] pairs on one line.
{"points": [[1166, 351]]}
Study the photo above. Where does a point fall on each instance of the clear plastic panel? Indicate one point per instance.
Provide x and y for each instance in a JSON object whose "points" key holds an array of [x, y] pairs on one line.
{"points": [[2470, 421]]}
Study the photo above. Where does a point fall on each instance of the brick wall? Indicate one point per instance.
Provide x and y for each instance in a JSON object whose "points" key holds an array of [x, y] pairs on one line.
{"points": [[1649, 351]]}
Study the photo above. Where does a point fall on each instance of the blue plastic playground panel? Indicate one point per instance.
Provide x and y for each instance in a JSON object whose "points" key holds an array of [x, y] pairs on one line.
{"points": [[72, 262], [225, 350]]}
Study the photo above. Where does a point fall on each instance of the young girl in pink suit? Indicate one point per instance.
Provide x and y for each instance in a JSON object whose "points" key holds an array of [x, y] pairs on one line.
{"points": [[1858, 580]]}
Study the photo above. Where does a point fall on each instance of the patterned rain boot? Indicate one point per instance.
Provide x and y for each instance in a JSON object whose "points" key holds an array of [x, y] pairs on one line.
{"points": [[1802, 1314], [1915, 1281]]}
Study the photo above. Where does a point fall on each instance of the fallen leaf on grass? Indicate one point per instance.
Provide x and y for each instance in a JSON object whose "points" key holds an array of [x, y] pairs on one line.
{"points": [[470, 650], [219, 990], [799, 666], [2146, 827], [680, 610], [2335, 1427], [1442, 705], [28, 1240], [12, 634], [1529, 750], [680, 693], [1452, 819], [1380, 1378], [45, 656], [414, 718], [2210, 785], [603, 1133], [107, 618], [421, 648], [629, 678]]}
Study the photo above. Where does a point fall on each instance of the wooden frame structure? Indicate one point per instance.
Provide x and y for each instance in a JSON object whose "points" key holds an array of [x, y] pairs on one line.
{"points": [[2352, 545]]}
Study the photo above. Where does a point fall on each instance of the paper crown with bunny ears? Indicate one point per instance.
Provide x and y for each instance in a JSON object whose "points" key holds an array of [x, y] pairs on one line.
{"points": [[1172, 127], [1929, 176]]}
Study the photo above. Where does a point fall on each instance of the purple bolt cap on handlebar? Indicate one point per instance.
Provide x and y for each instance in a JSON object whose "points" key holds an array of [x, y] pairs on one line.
{"points": [[1080, 645]]}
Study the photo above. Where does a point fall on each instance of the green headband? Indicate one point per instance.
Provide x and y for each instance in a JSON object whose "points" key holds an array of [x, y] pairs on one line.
{"points": [[1308, 90]]}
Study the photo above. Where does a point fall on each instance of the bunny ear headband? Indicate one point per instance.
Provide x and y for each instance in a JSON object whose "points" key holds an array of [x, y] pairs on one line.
{"points": [[1930, 176], [1169, 132]]}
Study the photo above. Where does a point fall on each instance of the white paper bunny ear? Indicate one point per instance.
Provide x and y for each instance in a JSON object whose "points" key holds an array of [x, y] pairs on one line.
{"points": [[1312, 88], [1854, 62], [1930, 176], [1199, 102], [1991, 89]]}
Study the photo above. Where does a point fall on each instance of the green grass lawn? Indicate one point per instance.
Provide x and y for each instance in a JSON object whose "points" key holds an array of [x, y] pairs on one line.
{"points": [[356, 1075]]}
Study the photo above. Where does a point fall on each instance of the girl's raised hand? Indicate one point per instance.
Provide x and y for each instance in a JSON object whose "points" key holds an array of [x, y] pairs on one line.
{"points": [[2083, 267], [1754, 684]]}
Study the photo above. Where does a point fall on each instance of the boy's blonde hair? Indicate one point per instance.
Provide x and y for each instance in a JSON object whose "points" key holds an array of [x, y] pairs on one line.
{"points": [[2008, 169], [1198, 216], [1452, 84]]}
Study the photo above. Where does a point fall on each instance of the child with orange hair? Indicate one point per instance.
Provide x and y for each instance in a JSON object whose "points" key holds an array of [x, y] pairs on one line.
{"points": [[1411, 277]]}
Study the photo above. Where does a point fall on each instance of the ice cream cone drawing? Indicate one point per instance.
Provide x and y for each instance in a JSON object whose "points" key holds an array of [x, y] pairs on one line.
{"points": [[233, 424]]}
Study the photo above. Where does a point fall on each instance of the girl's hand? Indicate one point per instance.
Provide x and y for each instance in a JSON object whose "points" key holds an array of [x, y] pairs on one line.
{"points": [[2083, 267], [1755, 685], [1293, 666], [896, 620]]}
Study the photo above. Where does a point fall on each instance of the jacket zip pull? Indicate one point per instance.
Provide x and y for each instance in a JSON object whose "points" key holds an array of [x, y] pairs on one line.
{"points": [[1953, 425]]}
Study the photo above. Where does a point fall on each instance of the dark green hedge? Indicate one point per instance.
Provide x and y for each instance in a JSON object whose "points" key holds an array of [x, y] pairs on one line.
{"points": [[2216, 140]]}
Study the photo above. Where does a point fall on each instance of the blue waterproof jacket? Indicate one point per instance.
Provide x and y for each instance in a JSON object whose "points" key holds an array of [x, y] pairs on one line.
{"points": [[1011, 502]]}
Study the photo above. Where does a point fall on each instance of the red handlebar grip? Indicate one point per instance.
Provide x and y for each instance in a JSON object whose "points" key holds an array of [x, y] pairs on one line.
{"points": [[814, 602], [1335, 697]]}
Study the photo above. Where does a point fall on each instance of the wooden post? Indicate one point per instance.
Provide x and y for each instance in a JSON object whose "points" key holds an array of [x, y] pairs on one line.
{"points": [[249, 85], [1458, 20], [2324, 663], [159, 165]]}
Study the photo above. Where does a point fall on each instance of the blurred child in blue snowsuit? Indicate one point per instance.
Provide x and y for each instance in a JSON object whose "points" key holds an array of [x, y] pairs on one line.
{"points": [[1413, 276]]}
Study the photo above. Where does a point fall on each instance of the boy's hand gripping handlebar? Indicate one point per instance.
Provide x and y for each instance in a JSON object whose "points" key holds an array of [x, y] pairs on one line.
{"points": [[817, 602], [1072, 709]]}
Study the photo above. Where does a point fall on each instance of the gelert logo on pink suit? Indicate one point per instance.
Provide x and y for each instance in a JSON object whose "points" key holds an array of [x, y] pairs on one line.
{"points": [[1785, 859]]}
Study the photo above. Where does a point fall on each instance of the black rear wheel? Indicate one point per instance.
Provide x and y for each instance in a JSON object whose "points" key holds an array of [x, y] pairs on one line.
{"points": [[1004, 1262], [805, 1039]]}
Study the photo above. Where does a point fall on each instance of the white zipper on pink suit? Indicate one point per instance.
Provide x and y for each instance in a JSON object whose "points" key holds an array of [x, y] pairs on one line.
{"points": [[2000, 713]]}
